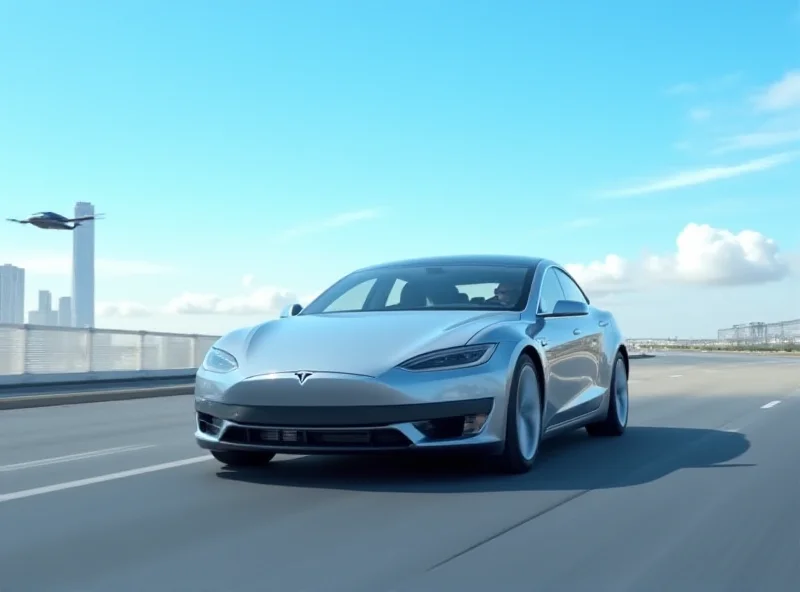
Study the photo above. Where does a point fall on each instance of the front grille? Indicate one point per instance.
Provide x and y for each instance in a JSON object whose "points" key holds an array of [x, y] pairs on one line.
{"points": [[287, 438]]}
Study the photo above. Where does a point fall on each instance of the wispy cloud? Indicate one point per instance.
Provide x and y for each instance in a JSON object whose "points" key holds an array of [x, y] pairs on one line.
{"points": [[338, 221], [702, 176], [713, 85], [755, 140], [780, 96], [55, 264], [699, 114], [682, 88], [582, 223]]}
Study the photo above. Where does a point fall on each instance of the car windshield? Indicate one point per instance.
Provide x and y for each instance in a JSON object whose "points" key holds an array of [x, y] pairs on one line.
{"points": [[440, 287]]}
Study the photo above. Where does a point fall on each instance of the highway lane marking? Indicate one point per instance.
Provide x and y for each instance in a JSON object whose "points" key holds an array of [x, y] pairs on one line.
{"points": [[770, 405], [73, 457], [7, 497], [676, 376]]}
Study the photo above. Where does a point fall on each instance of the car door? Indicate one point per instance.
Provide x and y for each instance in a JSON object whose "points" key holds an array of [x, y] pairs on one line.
{"points": [[557, 338], [588, 348]]}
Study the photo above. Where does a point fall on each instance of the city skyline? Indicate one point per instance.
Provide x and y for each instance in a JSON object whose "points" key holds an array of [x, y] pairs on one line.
{"points": [[48, 315], [76, 310]]}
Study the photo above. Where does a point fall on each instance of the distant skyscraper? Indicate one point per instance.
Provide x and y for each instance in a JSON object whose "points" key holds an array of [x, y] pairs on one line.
{"points": [[45, 315], [65, 311], [45, 301], [83, 268], [12, 294]]}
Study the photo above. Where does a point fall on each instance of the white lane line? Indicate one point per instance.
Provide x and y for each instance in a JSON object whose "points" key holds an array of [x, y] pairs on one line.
{"points": [[676, 376], [73, 457], [7, 497], [770, 405]]}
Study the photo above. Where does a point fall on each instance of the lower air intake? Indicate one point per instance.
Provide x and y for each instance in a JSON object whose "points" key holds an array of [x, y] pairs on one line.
{"points": [[287, 438]]}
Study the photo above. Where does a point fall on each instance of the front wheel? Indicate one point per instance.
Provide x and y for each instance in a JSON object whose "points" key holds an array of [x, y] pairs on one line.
{"points": [[616, 420], [237, 458], [523, 419]]}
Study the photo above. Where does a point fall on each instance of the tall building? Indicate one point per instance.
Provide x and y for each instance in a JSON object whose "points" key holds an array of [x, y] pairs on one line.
{"points": [[45, 301], [44, 315], [65, 311], [12, 294], [83, 268]]}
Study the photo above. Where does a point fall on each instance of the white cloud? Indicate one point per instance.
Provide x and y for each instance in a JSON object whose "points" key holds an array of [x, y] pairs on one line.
{"points": [[782, 95], [702, 176], [318, 226], [699, 114], [704, 255], [122, 309], [713, 256], [267, 301], [247, 280], [56, 264], [601, 278]]}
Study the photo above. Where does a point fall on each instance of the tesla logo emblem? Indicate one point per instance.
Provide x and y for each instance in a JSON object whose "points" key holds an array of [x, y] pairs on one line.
{"points": [[302, 376]]}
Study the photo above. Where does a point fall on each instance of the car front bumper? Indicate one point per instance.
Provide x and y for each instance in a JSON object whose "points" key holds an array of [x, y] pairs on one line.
{"points": [[337, 413]]}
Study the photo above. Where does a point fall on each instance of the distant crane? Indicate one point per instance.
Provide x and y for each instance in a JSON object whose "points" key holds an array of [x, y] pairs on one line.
{"points": [[53, 221]]}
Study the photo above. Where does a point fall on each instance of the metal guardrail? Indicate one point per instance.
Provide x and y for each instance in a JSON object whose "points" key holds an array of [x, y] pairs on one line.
{"points": [[42, 354]]}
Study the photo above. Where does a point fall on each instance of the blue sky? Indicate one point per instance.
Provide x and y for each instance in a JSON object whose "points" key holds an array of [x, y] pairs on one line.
{"points": [[243, 150]]}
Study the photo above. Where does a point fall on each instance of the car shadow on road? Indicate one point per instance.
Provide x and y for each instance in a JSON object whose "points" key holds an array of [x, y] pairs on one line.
{"points": [[567, 463]]}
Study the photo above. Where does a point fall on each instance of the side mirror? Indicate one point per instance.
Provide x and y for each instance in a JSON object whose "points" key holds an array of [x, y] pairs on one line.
{"points": [[291, 310], [569, 308]]}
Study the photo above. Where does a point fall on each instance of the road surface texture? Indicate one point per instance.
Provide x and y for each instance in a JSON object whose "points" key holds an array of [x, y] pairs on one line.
{"points": [[700, 494]]}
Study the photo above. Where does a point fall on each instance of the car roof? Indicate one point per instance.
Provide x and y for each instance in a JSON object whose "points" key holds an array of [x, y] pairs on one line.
{"points": [[502, 260]]}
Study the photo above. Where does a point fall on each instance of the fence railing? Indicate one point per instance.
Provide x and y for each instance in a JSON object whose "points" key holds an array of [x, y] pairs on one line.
{"points": [[38, 350], [784, 332]]}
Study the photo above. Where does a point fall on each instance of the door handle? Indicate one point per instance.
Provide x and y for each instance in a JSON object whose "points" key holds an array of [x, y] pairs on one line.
{"points": [[603, 323], [576, 331]]}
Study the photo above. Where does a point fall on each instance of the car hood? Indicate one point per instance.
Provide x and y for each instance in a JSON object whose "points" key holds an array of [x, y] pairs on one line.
{"points": [[354, 343]]}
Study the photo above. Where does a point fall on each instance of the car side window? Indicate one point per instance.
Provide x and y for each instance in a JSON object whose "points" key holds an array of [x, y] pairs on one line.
{"points": [[394, 296], [571, 289], [550, 292]]}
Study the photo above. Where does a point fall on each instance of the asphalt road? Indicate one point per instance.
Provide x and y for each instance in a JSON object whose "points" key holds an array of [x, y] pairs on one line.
{"points": [[700, 494]]}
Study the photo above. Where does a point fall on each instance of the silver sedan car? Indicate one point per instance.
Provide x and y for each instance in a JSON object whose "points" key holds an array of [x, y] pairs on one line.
{"points": [[488, 354]]}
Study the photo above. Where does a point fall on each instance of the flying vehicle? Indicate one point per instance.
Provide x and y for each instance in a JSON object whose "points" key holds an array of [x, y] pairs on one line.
{"points": [[53, 221], [478, 354]]}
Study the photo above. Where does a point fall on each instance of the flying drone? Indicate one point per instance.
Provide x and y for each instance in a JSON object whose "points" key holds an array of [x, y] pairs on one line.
{"points": [[53, 221]]}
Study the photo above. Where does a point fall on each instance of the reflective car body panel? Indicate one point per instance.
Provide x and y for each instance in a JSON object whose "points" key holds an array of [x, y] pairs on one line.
{"points": [[333, 382]]}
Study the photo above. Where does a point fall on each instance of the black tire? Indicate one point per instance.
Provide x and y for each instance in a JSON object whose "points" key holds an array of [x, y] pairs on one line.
{"points": [[612, 425], [512, 461], [237, 458]]}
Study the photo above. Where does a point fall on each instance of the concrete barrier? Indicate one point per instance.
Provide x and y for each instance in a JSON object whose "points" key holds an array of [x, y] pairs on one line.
{"points": [[33, 395], [72, 378]]}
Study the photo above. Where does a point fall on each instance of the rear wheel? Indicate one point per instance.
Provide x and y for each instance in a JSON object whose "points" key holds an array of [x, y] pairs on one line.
{"points": [[523, 419], [237, 458], [617, 418]]}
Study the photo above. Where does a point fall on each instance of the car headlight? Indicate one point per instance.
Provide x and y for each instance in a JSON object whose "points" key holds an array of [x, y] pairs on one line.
{"points": [[451, 358], [217, 360]]}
